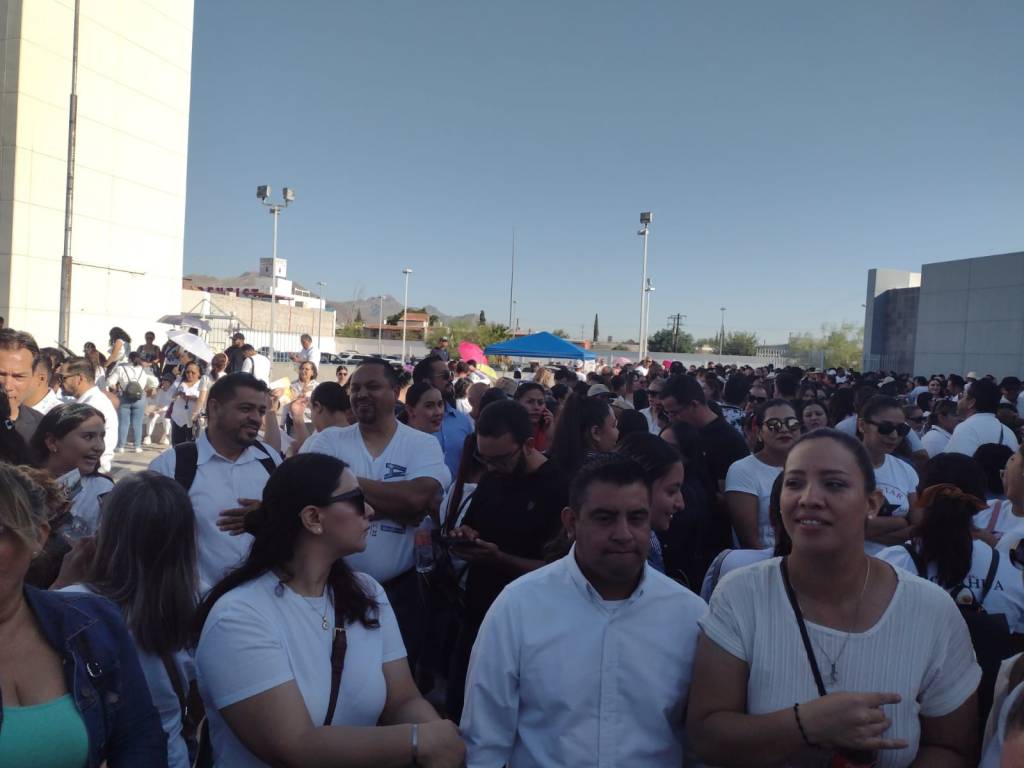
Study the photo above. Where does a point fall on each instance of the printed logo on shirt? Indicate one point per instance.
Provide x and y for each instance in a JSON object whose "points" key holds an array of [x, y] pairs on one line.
{"points": [[392, 528], [391, 471]]}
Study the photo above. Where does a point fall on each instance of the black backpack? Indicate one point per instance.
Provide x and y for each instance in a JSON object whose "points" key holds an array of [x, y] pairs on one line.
{"points": [[132, 391], [186, 463], [990, 632]]}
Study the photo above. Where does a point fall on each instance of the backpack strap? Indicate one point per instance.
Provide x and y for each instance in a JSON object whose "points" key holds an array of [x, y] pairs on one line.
{"points": [[990, 578], [921, 570], [338, 650], [186, 463], [268, 463]]}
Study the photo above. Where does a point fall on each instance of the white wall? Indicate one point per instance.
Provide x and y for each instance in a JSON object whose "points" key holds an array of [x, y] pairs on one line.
{"points": [[134, 78]]}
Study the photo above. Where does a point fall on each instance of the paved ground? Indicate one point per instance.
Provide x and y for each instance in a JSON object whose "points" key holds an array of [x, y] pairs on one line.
{"points": [[129, 461]]}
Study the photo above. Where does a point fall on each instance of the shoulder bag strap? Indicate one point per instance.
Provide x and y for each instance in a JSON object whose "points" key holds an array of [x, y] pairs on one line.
{"points": [[338, 649], [175, 678], [990, 578], [186, 464], [918, 565], [818, 681]]}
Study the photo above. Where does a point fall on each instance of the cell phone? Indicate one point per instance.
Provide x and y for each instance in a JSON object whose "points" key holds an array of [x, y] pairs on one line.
{"points": [[457, 541]]}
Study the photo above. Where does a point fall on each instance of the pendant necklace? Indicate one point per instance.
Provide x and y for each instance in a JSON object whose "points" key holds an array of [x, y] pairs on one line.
{"points": [[834, 663], [322, 614]]}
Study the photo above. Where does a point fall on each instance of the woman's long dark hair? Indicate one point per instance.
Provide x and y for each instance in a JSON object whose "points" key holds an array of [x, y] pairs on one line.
{"points": [[571, 443], [61, 421], [469, 466], [301, 481], [145, 560], [944, 536], [652, 453]]}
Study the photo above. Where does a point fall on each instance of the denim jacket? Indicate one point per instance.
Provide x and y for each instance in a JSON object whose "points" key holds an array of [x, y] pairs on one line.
{"points": [[101, 670]]}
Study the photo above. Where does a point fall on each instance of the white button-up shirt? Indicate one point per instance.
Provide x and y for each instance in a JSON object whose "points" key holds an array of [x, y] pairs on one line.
{"points": [[218, 485], [311, 355], [560, 677], [102, 403], [979, 429]]}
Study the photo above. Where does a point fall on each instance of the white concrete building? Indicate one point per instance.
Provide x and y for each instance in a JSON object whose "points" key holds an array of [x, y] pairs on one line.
{"points": [[260, 285], [134, 78]]}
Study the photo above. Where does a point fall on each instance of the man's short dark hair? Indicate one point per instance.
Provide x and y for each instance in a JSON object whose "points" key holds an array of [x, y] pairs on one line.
{"points": [[1009, 382], [505, 417], [684, 389], [247, 348], [786, 385], [79, 366], [13, 340], [614, 469], [461, 367], [957, 379], [306, 337], [736, 389], [422, 372], [225, 389], [238, 337], [332, 396], [985, 394], [389, 372]]}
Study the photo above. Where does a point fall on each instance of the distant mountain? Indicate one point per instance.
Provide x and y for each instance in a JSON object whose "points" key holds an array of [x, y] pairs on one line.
{"points": [[370, 310]]}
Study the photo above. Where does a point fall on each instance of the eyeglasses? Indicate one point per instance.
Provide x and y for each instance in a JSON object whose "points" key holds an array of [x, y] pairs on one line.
{"points": [[495, 461], [758, 399], [788, 424], [886, 428], [357, 498], [917, 419]]}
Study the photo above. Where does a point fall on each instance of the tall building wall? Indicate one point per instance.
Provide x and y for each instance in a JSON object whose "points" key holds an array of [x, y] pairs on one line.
{"points": [[971, 317], [134, 78], [886, 341]]}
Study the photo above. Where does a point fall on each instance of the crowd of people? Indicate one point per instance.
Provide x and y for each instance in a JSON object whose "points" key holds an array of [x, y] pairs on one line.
{"points": [[636, 565]]}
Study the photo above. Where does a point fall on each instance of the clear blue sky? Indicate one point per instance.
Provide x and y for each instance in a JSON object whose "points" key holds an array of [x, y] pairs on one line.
{"points": [[784, 147]]}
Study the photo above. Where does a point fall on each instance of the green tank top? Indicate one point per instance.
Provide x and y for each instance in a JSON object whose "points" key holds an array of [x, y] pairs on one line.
{"points": [[48, 735]]}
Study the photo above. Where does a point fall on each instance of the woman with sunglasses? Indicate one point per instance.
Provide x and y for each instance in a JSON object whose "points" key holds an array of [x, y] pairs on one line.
{"points": [[882, 428], [300, 660], [814, 415], [748, 483]]}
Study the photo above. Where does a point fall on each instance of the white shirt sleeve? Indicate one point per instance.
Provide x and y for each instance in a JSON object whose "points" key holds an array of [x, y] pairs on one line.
{"points": [[724, 623], [239, 656], [164, 464], [952, 674], [491, 712], [740, 478], [428, 461]]}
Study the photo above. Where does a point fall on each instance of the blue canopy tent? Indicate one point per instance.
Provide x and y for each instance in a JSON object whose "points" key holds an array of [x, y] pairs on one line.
{"points": [[543, 345]]}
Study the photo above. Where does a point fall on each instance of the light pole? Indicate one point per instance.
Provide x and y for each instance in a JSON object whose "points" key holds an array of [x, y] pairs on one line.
{"points": [[287, 196], [405, 312], [648, 290], [721, 336], [320, 317], [645, 220], [380, 329]]}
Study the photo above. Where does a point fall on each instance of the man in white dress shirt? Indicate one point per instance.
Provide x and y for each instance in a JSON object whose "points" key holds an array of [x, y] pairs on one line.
{"points": [[78, 378], [587, 661], [402, 472], [308, 353], [980, 426], [256, 364]]}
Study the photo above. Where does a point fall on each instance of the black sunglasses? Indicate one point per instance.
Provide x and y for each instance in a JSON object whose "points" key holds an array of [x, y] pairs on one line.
{"points": [[758, 399], [788, 424], [887, 428], [357, 498]]}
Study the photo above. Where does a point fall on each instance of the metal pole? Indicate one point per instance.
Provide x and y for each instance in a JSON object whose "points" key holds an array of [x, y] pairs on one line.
{"points": [[274, 211], [721, 336], [320, 317], [512, 280], [405, 312], [643, 297], [64, 320], [380, 329]]}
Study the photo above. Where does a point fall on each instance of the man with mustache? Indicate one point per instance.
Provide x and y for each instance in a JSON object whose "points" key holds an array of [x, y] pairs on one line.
{"points": [[224, 471]]}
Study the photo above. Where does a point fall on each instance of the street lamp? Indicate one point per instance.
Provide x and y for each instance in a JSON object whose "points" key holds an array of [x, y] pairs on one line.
{"points": [[648, 290], [405, 313], [645, 220], [721, 336], [320, 317], [263, 192], [380, 329]]}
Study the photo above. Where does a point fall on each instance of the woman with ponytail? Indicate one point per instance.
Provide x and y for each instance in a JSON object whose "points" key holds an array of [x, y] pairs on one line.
{"points": [[300, 660], [585, 427]]}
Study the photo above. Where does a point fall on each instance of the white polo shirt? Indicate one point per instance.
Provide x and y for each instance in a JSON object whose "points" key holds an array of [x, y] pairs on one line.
{"points": [[560, 676], [218, 485], [102, 403], [410, 454], [977, 430], [311, 355]]}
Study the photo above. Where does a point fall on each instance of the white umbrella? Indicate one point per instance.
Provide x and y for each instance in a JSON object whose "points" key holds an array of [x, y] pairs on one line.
{"points": [[192, 344], [186, 321]]}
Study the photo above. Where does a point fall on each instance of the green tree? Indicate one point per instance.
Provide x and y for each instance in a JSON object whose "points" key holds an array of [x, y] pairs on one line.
{"points": [[482, 335], [560, 333], [661, 341], [595, 328], [483, 318], [740, 343], [841, 344]]}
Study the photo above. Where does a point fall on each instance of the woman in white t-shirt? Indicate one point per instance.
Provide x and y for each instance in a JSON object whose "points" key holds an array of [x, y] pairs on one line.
{"points": [[273, 629], [145, 563], [68, 444], [185, 403], [942, 420], [882, 426], [829, 654], [748, 483]]}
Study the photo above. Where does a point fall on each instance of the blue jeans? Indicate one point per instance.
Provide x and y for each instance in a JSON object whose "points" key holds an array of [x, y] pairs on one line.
{"points": [[133, 414]]}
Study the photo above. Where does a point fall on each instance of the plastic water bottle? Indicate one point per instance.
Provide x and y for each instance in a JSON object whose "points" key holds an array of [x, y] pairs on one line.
{"points": [[424, 549]]}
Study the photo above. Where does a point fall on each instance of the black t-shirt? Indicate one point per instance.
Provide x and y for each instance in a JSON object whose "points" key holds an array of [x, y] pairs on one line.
{"points": [[519, 513], [26, 423], [235, 359], [722, 446]]}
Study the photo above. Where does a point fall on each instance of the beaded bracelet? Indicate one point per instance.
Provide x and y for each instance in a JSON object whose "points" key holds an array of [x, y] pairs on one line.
{"points": [[416, 743], [800, 725]]}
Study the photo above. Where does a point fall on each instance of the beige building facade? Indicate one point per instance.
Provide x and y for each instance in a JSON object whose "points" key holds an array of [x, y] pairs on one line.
{"points": [[134, 78]]}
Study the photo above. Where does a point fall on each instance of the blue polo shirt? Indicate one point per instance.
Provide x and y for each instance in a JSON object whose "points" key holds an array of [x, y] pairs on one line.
{"points": [[455, 426]]}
